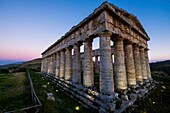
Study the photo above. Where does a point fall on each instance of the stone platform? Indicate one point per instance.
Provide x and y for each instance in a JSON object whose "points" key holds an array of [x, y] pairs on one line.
{"points": [[97, 102]]}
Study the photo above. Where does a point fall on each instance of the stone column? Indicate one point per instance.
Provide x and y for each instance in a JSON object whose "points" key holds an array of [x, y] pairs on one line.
{"points": [[53, 64], [138, 66], [147, 64], [50, 64], [68, 69], [42, 65], [130, 67], [62, 63], [143, 63], [57, 70], [96, 65], [119, 66], [46, 65], [88, 75], [76, 77], [106, 68]]}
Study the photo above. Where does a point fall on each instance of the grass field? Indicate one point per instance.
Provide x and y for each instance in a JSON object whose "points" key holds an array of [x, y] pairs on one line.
{"points": [[62, 104], [158, 101], [15, 94], [13, 91]]}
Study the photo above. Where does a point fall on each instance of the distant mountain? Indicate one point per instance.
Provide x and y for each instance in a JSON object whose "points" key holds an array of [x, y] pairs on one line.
{"points": [[34, 64], [7, 62], [162, 67], [10, 64]]}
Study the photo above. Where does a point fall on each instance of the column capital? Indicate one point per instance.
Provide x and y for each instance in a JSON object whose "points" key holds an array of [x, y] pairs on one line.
{"points": [[146, 49], [141, 48], [63, 49], [135, 44], [78, 44], [119, 38], [90, 40], [104, 33], [128, 42], [69, 47]]}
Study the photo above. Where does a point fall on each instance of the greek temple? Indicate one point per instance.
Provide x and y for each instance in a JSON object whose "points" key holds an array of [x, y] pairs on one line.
{"points": [[121, 63]]}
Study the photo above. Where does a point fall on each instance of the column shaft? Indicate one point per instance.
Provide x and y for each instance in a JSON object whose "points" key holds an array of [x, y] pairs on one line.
{"points": [[46, 65], [50, 65], [57, 70], [143, 63], [130, 67], [42, 65], [88, 75], [62, 64], [138, 66], [106, 68], [76, 77], [68, 69], [119, 61], [147, 64], [53, 64]]}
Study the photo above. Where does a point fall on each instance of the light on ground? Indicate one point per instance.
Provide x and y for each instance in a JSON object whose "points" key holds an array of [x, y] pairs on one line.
{"points": [[56, 90], [48, 83], [163, 87], [77, 108], [153, 102]]}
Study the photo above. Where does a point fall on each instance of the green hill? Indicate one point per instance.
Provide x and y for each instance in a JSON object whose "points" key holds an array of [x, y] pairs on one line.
{"points": [[161, 67]]}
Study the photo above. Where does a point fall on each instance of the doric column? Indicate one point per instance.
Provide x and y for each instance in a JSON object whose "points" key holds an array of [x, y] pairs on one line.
{"points": [[143, 63], [119, 65], [68, 69], [147, 64], [50, 64], [62, 63], [88, 75], [53, 64], [138, 66], [130, 67], [96, 65], [76, 77], [46, 65], [57, 70], [42, 65], [106, 68]]}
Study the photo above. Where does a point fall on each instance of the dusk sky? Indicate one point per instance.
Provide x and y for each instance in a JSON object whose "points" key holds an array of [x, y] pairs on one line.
{"points": [[28, 27]]}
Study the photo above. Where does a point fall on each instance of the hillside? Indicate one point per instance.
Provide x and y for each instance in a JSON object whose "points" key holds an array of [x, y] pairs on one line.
{"points": [[34, 64], [161, 67]]}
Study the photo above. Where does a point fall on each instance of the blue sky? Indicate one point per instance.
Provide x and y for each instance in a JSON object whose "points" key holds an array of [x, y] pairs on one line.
{"points": [[28, 27]]}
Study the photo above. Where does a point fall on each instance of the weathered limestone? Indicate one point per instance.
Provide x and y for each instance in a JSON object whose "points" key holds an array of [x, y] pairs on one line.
{"points": [[143, 63], [106, 69], [88, 74], [119, 65], [62, 63], [74, 72], [147, 64], [46, 65], [138, 67], [42, 66], [68, 68], [53, 64], [130, 67], [50, 65], [57, 71], [76, 77]]}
